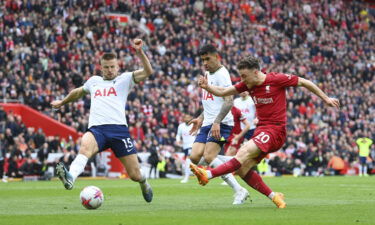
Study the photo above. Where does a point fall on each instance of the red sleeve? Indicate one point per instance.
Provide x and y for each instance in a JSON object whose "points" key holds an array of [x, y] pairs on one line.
{"points": [[241, 87], [236, 113], [286, 80]]}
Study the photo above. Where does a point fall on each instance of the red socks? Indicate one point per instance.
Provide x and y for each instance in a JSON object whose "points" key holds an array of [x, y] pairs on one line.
{"points": [[255, 181], [228, 167]]}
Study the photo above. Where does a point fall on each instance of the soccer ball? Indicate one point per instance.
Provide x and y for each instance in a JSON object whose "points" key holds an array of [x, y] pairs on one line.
{"points": [[91, 197]]}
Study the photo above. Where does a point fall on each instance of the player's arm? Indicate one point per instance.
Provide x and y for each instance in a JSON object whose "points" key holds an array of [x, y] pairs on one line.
{"points": [[317, 91], [142, 74], [197, 123], [244, 130], [178, 136], [71, 97], [225, 108], [215, 90]]}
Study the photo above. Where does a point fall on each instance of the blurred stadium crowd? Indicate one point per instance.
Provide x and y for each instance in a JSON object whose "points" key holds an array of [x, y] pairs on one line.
{"points": [[48, 47]]}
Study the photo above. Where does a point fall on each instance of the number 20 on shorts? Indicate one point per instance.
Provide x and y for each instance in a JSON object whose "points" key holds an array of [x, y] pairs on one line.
{"points": [[263, 137]]}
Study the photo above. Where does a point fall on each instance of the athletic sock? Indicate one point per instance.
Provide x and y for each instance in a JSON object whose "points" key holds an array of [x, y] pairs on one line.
{"points": [[228, 178], [228, 167], [270, 196], [78, 166], [202, 162], [255, 181], [225, 158], [187, 168], [143, 182]]}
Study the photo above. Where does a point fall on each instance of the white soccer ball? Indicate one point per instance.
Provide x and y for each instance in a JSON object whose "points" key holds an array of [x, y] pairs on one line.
{"points": [[91, 197]]}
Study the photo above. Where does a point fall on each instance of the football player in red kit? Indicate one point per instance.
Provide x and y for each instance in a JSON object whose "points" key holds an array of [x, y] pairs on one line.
{"points": [[268, 92], [237, 134]]}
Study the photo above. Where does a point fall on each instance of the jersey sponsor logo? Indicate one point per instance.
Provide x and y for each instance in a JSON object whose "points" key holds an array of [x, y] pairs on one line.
{"points": [[105, 92], [262, 100], [246, 110], [207, 95]]}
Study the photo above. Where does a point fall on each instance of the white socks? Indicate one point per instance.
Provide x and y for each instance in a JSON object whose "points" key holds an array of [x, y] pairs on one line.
{"points": [[271, 195], [225, 158], [187, 168], [78, 165], [228, 178], [202, 162]]}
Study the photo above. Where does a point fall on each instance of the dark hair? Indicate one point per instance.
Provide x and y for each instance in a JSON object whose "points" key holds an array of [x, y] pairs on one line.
{"points": [[108, 56], [249, 62], [206, 49]]}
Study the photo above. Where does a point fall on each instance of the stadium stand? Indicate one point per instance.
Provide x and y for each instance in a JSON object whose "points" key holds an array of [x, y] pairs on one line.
{"points": [[48, 47]]}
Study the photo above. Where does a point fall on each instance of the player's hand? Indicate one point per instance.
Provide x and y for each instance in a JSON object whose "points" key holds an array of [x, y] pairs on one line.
{"points": [[215, 131], [137, 44], [255, 121], [197, 123], [202, 82], [333, 102], [235, 139], [56, 104]]}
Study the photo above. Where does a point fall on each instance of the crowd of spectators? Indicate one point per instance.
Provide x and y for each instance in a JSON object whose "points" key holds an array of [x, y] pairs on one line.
{"points": [[48, 47]]}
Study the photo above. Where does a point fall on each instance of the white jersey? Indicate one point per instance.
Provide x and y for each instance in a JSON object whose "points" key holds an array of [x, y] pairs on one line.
{"points": [[211, 103], [108, 99], [247, 108], [183, 132]]}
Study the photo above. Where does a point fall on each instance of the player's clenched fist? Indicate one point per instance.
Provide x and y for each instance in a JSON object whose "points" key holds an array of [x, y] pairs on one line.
{"points": [[137, 44], [333, 102], [56, 104], [202, 82]]}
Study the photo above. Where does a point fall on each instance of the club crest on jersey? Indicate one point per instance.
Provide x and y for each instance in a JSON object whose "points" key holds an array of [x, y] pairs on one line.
{"points": [[268, 89], [105, 92]]}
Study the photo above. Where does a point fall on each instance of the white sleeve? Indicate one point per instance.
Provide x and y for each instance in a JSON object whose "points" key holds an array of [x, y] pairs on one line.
{"points": [[179, 133], [223, 79], [127, 79], [87, 85]]}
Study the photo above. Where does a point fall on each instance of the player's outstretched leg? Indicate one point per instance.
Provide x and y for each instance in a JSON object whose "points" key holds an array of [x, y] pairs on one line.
{"points": [[255, 181], [64, 175], [146, 190], [278, 199], [200, 173], [187, 171]]}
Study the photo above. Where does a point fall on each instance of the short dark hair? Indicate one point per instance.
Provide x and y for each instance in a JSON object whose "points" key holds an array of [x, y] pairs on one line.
{"points": [[108, 56], [249, 62], [206, 49]]}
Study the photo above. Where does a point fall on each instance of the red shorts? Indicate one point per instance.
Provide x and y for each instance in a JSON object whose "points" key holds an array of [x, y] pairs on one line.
{"points": [[269, 138], [229, 143]]}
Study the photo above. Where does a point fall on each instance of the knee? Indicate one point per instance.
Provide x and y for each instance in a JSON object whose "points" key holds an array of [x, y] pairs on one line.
{"points": [[86, 151], [209, 157], [194, 158], [135, 175]]}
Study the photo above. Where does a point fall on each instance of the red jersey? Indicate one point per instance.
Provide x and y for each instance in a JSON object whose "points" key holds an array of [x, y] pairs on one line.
{"points": [[237, 117], [269, 97]]}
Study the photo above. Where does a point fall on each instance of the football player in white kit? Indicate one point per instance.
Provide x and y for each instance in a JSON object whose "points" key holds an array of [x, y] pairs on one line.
{"points": [[183, 132], [216, 121], [107, 122], [246, 104]]}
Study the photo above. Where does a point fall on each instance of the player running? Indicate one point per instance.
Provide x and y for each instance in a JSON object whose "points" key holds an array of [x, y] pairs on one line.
{"points": [[107, 122], [246, 104], [237, 134], [183, 132], [215, 123], [268, 92]]}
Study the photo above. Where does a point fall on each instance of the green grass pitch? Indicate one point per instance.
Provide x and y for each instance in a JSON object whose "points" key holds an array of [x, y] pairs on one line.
{"points": [[323, 200]]}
